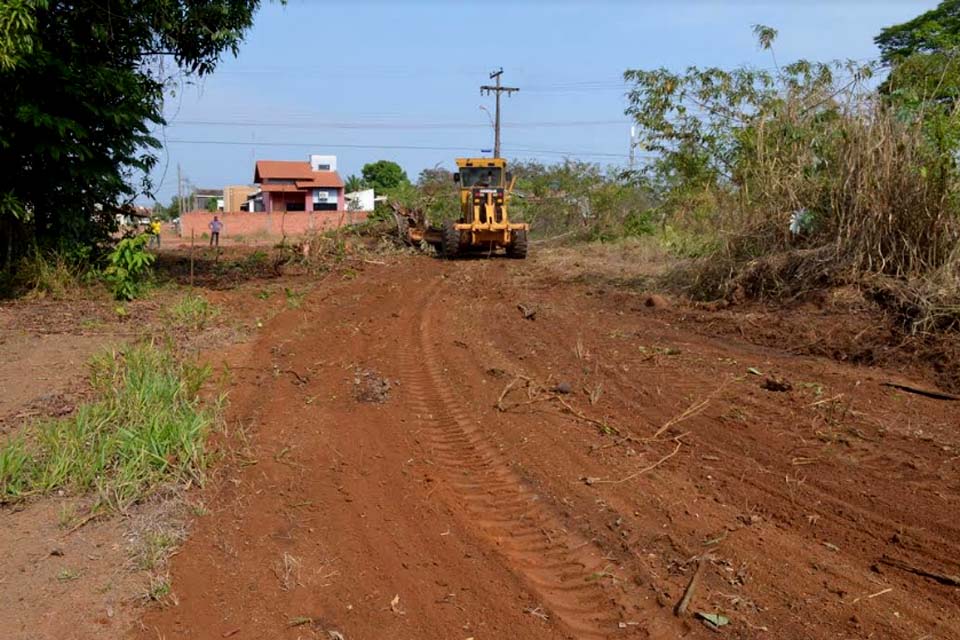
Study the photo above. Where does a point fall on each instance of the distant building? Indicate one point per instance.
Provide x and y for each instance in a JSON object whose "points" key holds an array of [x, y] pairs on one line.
{"points": [[360, 200], [311, 185], [206, 200], [236, 195]]}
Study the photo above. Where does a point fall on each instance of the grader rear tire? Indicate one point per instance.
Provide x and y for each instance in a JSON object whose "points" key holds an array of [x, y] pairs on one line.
{"points": [[518, 245], [450, 241]]}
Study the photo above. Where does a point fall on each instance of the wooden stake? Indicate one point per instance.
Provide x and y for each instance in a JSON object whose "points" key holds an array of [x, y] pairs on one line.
{"points": [[192, 234], [681, 607]]}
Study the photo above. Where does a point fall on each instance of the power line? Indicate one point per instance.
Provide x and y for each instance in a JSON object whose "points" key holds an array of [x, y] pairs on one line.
{"points": [[401, 125], [463, 149]]}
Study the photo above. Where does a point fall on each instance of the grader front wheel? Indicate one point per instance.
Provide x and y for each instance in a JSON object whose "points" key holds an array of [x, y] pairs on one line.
{"points": [[450, 241], [518, 245]]}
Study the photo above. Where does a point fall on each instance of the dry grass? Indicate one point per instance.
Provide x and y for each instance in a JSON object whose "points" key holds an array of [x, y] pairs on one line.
{"points": [[287, 570], [879, 201], [627, 262]]}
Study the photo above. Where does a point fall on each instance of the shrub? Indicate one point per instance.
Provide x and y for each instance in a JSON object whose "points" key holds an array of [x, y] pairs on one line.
{"points": [[128, 265]]}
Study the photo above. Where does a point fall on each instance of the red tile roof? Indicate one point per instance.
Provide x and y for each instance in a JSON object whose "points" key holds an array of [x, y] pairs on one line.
{"points": [[282, 170], [302, 172], [322, 179]]}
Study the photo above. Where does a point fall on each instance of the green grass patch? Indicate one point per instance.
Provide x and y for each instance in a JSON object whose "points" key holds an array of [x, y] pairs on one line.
{"points": [[147, 429], [192, 311]]}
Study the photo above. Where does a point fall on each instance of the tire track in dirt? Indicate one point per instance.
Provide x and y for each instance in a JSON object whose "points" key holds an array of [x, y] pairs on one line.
{"points": [[564, 570]]}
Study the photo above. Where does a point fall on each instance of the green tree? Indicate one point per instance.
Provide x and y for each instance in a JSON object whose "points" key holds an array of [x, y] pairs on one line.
{"points": [[384, 175], [354, 183], [923, 55], [83, 87], [935, 31]]}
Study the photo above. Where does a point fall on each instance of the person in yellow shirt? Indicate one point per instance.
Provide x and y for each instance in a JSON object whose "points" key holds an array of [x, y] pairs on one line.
{"points": [[154, 231]]}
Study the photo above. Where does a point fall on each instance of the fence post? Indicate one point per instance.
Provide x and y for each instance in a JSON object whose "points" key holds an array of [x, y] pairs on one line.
{"points": [[192, 233]]}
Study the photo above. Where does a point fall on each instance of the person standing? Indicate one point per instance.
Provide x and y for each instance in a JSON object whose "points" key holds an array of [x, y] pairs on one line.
{"points": [[154, 231], [215, 227]]}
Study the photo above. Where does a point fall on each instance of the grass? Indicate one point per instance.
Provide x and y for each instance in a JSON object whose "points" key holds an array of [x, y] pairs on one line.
{"points": [[155, 547], [147, 429], [192, 311], [294, 298]]}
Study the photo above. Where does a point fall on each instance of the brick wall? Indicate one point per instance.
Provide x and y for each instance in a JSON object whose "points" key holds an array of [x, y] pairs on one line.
{"points": [[252, 226]]}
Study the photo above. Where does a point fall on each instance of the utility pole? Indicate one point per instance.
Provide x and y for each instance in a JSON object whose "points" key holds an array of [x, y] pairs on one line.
{"points": [[633, 145], [497, 89], [179, 191]]}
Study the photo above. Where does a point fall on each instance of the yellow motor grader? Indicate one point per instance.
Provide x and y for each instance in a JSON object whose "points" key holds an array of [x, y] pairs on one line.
{"points": [[484, 224]]}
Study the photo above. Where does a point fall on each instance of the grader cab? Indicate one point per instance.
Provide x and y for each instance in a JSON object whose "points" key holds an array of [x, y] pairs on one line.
{"points": [[484, 224]]}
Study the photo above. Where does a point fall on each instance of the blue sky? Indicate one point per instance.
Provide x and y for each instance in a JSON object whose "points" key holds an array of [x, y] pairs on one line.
{"points": [[367, 80]]}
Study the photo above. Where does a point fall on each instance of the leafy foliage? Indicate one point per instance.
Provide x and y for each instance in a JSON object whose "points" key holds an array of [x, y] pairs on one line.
{"points": [[934, 31], [128, 265], [353, 183], [384, 175], [83, 88], [581, 200]]}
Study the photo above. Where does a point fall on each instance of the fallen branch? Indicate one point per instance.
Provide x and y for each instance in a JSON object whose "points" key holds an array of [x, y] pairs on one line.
{"points": [[690, 411], [942, 578], [872, 595], [681, 607], [936, 395], [506, 390], [645, 469], [604, 427]]}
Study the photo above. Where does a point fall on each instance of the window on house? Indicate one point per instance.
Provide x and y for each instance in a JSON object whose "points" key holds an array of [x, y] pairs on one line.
{"points": [[296, 206], [323, 167]]}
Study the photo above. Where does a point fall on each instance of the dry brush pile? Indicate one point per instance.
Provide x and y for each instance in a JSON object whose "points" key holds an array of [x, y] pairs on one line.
{"points": [[807, 177]]}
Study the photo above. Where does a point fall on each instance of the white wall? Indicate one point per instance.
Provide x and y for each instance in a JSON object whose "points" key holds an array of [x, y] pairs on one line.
{"points": [[359, 200], [316, 160]]}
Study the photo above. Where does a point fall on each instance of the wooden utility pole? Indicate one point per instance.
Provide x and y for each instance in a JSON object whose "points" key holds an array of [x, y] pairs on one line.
{"points": [[179, 192], [497, 89]]}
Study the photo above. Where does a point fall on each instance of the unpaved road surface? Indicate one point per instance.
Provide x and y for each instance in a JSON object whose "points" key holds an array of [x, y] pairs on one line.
{"points": [[383, 494]]}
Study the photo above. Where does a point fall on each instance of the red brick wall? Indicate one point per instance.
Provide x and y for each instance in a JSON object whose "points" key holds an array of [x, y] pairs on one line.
{"points": [[251, 226]]}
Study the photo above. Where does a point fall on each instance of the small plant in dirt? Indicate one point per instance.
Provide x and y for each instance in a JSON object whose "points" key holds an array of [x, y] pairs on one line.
{"points": [[192, 311], [147, 429], [294, 298], [128, 266], [67, 575]]}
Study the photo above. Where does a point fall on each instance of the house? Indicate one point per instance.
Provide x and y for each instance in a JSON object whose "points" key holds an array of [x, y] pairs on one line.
{"points": [[207, 200], [134, 216], [236, 195], [311, 185]]}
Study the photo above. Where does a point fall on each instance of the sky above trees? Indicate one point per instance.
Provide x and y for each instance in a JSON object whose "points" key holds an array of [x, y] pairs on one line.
{"points": [[369, 80]]}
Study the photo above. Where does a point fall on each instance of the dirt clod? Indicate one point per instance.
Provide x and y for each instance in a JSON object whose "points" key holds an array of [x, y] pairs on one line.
{"points": [[656, 301], [369, 386], [529, 312], [779, 385], [563, 388]]}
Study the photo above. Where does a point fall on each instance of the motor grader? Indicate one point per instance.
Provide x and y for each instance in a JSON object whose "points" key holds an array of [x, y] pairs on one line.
{"points": [[484, 225]]}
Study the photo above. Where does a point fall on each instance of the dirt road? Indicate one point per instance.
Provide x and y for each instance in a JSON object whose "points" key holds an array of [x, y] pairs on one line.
{"points": [[383, 494]]}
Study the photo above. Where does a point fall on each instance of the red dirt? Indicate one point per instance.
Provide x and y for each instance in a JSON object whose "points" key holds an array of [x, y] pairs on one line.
{"points": [[430, 514]]}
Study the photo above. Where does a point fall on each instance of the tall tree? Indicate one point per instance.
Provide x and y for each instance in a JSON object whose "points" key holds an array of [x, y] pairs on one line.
{"points": [[83, 87], [934, 31], [384, 175], [924, 57]]}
